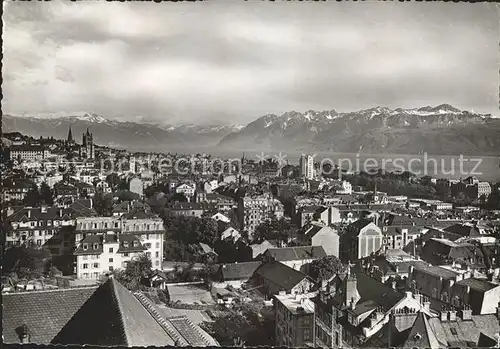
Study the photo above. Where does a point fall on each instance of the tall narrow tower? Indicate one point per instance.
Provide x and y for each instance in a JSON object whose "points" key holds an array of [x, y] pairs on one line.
{"points": [[70, 136]]}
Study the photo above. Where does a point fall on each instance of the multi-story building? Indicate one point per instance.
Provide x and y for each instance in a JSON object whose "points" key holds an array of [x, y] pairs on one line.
{"points": [[106, 232], [307, 166], [317, 234], [45, 226], [28, 152], [16, 189], [353, 309], [294, 320], [361, 239], [258, 209], [186, 189], [99, 254]]}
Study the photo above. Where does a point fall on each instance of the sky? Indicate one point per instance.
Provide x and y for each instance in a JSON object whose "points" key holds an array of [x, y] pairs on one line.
{"points": [[232, 62]]}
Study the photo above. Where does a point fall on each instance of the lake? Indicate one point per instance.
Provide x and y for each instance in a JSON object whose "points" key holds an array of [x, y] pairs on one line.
{"points": [[486, 168]]}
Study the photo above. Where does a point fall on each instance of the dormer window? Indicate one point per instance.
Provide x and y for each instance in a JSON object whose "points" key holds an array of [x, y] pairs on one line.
{"points": [[125, 243], [85, 247], [135, 244], [96, 246]]}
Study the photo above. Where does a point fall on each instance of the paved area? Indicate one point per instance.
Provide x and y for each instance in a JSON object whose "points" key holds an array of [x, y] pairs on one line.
{"points": [[190, 294], [196, 316]]}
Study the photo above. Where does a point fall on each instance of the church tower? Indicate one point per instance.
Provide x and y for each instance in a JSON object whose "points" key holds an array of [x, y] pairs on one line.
{"points": [[70, 136], [88, 145]]}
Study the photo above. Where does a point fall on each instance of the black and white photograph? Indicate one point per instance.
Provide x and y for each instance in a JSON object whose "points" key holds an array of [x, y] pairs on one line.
{"points": [[222, 173]]}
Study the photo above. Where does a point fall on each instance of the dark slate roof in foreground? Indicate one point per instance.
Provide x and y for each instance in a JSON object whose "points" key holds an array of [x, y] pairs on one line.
{"points": [[113, 316], [44, 312]]}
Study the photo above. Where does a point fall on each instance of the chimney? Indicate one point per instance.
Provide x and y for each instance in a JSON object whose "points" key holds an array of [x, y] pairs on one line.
{"points": [[453, 315], [60, 212], [466, 313], [418, 297], [443, 315], [29, 213], [24, 335], [393, 285], [498, 311], [427, 305]]}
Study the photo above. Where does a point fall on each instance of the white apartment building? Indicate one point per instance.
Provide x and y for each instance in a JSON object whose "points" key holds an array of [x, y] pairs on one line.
{"points": [[49, 226], [186, 189], [345, 189], [28, 152], [114, 241], [307, 166], [258, 209], [99, 254]]}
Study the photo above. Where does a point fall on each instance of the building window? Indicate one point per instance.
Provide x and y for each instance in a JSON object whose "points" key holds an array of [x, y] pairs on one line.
{"points": [[110, 269], [111, 260], [307, 334], [111, 250], [85, 266], [148, 254], [125, 254], [157, 245], [157, 254], [96, 265]]}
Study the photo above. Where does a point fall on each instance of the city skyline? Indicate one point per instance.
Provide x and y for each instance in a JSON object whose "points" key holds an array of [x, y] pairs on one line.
{"points": [[231, 63]]}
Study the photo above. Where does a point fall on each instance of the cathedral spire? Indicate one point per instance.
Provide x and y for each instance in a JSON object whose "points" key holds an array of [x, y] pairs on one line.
{"points": [[70, 135]]}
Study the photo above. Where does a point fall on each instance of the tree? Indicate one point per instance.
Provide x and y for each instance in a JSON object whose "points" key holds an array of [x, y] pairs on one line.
{"points": [[126, 195], [26, 261], [32, 197], [178, 197], [137, 273], [326, 267], [276, 229], [103, 204], [46, 194]]}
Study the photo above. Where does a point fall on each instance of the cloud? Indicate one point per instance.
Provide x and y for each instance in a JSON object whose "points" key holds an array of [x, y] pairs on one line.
{"points": [[196, 62]]}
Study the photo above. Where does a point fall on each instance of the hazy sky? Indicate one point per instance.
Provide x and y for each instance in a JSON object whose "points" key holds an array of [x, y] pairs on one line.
{"points": [[235, 61]]}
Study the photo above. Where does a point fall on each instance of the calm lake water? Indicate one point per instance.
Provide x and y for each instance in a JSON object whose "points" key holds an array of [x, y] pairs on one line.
{"points": [[439, 166]]}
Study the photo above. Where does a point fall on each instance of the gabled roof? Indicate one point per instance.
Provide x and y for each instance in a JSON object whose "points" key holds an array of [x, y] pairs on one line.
{"points": [[477, 284], [238, 271], [296, 253], [421, 335], [129, 239], [43, 312], [465, 332], [113, 316], [280, 274], [360, 223], [464, 230]]}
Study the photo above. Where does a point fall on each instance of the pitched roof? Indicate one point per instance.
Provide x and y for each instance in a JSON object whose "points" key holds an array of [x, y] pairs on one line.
{"points": [[296, 253], [43, 312], [477, 284], [436, 271], [280, 274], [360, 223], [113, 316], [464, 230], [465, 332], [235, 271], [421, 334]]}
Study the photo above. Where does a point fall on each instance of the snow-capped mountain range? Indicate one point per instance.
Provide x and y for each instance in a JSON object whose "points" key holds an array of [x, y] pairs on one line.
{"points": [[442, 129]]}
